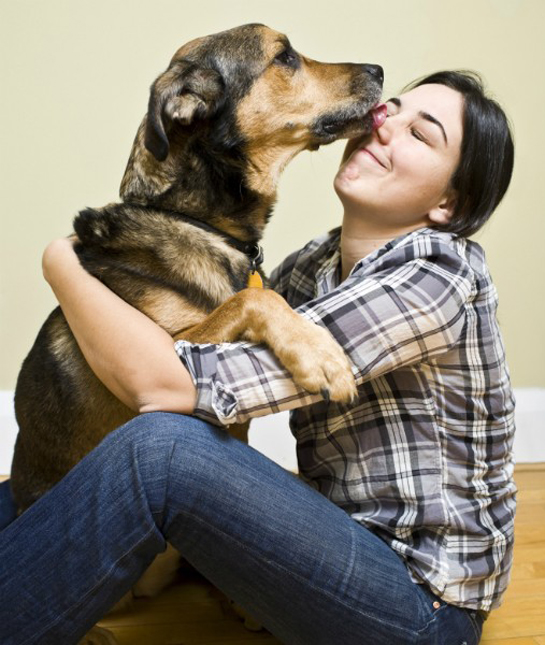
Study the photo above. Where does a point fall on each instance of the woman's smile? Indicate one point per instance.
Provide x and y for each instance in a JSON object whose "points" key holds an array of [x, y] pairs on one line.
{"points": [[378, 157]]}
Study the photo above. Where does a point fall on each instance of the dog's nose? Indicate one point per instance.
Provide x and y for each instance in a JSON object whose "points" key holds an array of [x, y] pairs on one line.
{"points": [[376, 71]]}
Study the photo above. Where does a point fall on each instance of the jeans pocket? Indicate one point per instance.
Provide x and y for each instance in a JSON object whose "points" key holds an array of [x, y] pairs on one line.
{"points": [[449, 625], [476, 621], [458, 626]]}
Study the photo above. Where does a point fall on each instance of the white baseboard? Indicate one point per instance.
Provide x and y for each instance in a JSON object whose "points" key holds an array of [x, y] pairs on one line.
{"points": [[530, 422], [8, 430], [271, 435]]}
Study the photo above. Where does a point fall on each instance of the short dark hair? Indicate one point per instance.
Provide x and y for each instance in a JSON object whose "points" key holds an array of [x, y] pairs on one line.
{"points": [[487, 152]]}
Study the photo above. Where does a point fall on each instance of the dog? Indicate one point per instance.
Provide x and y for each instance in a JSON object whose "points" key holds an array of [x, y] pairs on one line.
{"points": [[224, 119]]}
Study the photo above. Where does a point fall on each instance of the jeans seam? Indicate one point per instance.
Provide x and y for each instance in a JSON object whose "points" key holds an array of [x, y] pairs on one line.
{"points": [[258, 557], [164, 514], [432, 619], [81, 600], [473, 620]]}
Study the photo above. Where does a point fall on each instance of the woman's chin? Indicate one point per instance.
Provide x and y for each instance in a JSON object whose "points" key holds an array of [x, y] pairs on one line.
{"points": [[346, 175], [347, 183]]}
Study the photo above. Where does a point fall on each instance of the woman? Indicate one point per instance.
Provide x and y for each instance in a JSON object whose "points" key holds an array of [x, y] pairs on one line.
{"points": [[402, 528]]}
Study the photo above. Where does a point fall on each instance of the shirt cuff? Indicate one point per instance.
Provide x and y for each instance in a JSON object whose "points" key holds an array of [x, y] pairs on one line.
{"points": [[216, 403], [236, 382]]}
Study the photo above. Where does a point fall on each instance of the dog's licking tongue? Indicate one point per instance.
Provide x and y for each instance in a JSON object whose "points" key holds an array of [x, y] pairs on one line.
{"points": [[379, 115]]}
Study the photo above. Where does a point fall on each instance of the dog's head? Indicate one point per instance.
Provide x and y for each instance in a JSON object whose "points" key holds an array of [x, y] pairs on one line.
{"points": [[235, 107]]}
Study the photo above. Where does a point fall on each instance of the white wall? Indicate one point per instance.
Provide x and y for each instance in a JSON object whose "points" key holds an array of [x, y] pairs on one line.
{"points": [[271, 435], [8, 431]]}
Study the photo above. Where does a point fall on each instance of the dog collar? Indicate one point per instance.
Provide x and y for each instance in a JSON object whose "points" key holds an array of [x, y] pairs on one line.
{"points": [[251, 249]]}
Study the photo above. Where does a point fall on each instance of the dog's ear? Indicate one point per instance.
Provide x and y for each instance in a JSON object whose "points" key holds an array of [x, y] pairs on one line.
{"points": [[182, 94]]}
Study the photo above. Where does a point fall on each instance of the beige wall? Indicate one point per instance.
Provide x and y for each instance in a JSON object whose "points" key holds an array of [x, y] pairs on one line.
{"points": [[74, 85]]}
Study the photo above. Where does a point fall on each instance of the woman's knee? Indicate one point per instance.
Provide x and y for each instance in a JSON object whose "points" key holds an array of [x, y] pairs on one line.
{"points": [[154, 431], [146, 446]]}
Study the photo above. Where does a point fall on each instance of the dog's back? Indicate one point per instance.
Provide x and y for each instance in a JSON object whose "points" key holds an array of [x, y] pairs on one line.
{"points": [[173, 271]]}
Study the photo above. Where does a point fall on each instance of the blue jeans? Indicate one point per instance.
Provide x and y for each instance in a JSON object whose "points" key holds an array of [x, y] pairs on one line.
{"points": [[298, 563]]}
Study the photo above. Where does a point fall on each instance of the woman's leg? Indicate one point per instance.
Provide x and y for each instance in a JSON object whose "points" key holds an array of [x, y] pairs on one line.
{"points": [[295, 561]]}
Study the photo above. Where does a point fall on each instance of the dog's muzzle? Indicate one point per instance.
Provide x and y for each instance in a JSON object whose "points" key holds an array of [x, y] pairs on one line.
{"points": [[376, 71], [355, 118]]}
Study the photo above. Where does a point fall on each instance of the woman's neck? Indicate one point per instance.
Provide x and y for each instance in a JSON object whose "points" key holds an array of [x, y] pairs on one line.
{"points": [[360, 237]]}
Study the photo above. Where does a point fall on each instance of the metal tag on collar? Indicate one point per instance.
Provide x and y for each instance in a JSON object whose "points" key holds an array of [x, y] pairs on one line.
{"points": [[255, 253]]}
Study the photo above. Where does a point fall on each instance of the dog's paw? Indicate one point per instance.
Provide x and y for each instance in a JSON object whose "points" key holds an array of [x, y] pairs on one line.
{"points": [[317, 362], [98, 636]]}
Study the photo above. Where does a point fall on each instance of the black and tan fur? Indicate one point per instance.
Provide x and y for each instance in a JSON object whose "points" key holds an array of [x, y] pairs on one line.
{"points": [[223, 120]]}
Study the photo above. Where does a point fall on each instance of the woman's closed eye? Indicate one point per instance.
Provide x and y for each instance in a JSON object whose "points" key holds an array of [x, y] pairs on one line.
{"points": [[418, 135]]}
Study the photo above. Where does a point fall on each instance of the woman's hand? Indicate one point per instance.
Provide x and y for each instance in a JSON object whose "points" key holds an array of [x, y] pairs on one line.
{"points": [[128, 352]]}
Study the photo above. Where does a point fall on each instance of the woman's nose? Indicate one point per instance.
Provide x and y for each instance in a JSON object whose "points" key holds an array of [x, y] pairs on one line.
{"points": [[384, 133]]}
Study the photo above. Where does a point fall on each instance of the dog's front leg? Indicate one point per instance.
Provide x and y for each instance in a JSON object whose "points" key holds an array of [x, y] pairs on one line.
{"points": [[309, 352]]}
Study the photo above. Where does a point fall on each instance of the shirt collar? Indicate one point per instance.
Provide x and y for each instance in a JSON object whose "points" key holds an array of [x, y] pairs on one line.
{"points": [[329, 275]]}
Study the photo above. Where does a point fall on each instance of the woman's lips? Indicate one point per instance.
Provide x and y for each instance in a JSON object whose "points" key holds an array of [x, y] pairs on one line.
{"points": [[375, 155], [368, 152]]}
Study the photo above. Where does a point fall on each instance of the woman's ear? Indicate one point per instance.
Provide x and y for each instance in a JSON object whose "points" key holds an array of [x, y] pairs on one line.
{"points": [[442, 213]]}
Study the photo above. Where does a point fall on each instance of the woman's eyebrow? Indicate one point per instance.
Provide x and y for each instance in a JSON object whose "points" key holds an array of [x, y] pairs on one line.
{"points": [[424, 115]]}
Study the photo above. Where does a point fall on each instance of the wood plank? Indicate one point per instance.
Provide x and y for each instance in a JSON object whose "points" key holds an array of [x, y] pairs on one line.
{"points": [[187, 633], [508, 641], [517, 617], [190, 612], [530, 467], [529, 479]]}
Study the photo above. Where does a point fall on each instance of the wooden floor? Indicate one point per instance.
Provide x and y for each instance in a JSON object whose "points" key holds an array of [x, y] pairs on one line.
{"points": [[192, 613], [521, 618]]}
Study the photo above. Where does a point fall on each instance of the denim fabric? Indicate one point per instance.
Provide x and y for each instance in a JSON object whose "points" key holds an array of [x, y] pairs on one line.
{"points": [[295, 561]]}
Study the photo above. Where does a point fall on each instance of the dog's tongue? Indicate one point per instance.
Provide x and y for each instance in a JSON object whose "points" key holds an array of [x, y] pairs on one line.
{"points": [[379, 115]]}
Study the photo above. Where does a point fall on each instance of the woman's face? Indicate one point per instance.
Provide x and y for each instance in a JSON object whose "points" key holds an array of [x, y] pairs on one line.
{"points": [[399, 176]]}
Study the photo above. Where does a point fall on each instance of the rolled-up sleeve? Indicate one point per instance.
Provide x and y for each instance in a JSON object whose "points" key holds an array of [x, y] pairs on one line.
{"points": [[239, 381], [384, 321]]}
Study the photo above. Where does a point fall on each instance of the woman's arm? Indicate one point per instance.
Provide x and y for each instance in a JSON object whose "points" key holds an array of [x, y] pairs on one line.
{"points": [[128, 352], [413, 310]]}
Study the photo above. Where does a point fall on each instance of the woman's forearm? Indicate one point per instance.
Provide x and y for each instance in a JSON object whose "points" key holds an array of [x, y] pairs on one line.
{"points": [[129, 353]]}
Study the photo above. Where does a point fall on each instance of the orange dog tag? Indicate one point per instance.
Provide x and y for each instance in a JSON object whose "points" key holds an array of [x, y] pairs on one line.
{"points": [[255, 255], [254, 280]]}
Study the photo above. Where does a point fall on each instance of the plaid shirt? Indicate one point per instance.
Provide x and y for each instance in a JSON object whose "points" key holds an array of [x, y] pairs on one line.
{"points": [[424, 457]]}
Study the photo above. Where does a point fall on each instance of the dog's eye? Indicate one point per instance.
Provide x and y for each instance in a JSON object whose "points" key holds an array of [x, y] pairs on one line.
{"points": [[288, 58]]}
